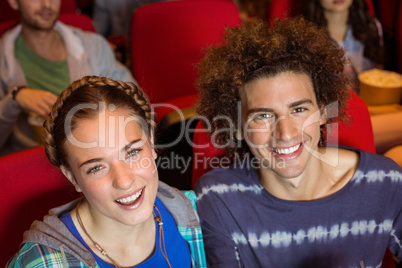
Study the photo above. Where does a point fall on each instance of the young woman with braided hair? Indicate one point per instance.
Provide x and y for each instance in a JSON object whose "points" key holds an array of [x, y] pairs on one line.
{"points": [[100, 134]]}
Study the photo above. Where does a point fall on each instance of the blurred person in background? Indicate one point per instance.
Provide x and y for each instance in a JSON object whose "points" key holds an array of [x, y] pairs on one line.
{"points": [[112, 19], [351, 25], [39, 58]]}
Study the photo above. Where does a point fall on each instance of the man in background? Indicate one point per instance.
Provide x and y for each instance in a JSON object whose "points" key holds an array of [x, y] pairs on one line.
{"points": [[39, 58]]}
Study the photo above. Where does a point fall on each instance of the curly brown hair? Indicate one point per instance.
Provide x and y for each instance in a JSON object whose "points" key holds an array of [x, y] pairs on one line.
{"points": [[254, 50], [90, 90], [364, 26]]}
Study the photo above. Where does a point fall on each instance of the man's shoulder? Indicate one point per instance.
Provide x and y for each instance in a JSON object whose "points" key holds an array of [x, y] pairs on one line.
{"points": [[223, 174], [82, 34], [228, 179], [370, 161], [364, 160]]}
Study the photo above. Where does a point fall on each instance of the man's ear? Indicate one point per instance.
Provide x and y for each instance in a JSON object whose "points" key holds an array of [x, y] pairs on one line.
{"points": [[239, 134], [323, 115], [70, 177], [14, 4]]}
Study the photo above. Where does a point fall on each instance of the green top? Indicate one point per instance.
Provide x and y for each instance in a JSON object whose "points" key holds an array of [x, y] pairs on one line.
{"points": [[41, 73]]}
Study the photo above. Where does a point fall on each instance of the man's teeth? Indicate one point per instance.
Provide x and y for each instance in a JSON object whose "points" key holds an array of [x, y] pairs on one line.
{"points": [[130, 199], [287, 150]]}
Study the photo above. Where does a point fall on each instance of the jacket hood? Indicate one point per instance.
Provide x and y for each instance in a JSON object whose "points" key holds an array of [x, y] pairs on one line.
{"points": [[53, 233]]}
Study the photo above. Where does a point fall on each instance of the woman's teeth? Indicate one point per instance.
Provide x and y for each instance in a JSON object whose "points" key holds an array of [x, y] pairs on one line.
{"points": [[130, 199], [287, 150]]}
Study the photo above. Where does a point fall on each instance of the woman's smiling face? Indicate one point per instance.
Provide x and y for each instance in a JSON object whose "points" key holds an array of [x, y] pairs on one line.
{"points": [[112, 162]]}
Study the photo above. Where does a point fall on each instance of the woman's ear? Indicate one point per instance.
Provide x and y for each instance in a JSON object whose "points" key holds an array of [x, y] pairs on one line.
{"points": [[70, 177]]}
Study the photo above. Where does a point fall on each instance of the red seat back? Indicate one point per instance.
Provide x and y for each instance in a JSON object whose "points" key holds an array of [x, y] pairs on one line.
{"points": [[283, 8], [387, 13], [77, 20], [7, 13], [399, 37], [358, 132], [30, 187], [167, 40]]}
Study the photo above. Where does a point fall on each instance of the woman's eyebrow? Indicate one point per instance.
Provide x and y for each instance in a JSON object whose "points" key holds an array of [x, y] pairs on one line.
{"points": [[93, 160], [128, 146]]}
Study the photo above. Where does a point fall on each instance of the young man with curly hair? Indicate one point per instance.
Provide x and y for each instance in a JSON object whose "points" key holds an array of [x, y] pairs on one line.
{"points": [[287, 200]]}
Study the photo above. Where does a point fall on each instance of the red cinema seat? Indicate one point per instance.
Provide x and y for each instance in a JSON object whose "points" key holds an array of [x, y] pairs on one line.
{"points": [[168, 39], [30, 187], [399, 36]]}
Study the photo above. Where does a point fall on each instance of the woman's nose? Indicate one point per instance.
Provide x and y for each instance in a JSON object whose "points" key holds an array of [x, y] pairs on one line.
{"points": [[123, 175]]}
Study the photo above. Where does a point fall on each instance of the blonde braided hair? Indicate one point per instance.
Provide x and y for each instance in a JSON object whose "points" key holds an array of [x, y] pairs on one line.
{"points": [[91, 89]]}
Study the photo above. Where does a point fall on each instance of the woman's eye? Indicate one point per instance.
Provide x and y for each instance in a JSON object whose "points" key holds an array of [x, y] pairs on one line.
{"points": [[133, 152], [94, 170]]}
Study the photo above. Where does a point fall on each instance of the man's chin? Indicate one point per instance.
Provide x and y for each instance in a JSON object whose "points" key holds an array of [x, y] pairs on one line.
{"points": [[45, 26]]}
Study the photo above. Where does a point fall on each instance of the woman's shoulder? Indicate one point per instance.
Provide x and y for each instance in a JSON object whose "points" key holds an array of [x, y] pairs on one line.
{"points": [[38, 255], [180, 204]]}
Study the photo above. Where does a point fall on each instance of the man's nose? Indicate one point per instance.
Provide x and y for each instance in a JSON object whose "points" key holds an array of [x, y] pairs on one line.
{"points": [[284, 129], [46, 3]]}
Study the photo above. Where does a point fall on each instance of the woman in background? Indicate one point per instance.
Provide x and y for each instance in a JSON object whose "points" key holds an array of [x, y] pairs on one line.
{"points": [[351, 25]]}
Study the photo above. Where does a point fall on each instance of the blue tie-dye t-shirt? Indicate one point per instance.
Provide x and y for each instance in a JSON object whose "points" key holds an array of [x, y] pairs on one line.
{"points": [[245, 226]]}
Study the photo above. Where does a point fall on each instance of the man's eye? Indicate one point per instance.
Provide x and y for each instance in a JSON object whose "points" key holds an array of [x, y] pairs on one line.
{"points": [[262, 116], [299, 110], [94, 170]]}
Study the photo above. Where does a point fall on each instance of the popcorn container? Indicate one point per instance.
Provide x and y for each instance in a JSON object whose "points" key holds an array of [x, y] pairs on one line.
{"points": [[380, 87]]}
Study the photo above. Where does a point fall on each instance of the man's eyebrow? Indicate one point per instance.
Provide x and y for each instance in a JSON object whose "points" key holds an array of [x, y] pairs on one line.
{"points": [[259, 110], [291, 105], [300, 102], [98, 159]]}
